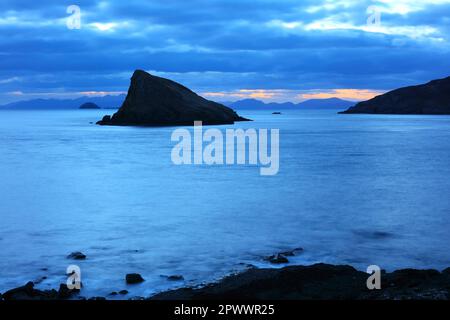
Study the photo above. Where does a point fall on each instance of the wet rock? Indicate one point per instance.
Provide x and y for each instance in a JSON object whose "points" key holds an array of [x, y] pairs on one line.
{"points": [[76, 256], [113, 293], [247, 265], [39, 280], [65, 293], [277, 259], [123, 292], [28, 292], [291, 253], [134, 278], [175, 278]]}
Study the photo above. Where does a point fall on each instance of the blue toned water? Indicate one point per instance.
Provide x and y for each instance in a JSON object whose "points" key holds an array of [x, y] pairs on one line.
{"points": [[352, 189]]}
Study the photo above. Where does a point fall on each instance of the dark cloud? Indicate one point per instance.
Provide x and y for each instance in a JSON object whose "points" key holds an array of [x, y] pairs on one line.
{"points": [[218, 45]]}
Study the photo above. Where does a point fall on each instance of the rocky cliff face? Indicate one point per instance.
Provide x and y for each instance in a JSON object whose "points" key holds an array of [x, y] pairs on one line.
{"points": [[155, 101], [430, 98]]}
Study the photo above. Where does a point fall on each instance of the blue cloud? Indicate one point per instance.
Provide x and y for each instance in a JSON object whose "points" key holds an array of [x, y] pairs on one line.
{"points": [[221, 45]]}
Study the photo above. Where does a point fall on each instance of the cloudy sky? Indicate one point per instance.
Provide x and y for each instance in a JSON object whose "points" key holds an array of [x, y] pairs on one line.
{"points": [[224, 49]]}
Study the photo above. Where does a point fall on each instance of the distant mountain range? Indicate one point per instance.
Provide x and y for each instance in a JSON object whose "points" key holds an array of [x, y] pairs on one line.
{"points": [[253, 104], [105, 102], [114, 102]]}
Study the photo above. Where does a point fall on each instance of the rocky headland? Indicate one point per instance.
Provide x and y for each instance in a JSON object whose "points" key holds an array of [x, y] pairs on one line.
{"points": [[155, 101], [432, 98]]}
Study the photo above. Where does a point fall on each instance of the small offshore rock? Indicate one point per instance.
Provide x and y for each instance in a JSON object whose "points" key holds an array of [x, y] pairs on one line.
{"points": [[123, 292], [277, 259], [175, 278], [291, 253], [134, 278], [76, 256]]}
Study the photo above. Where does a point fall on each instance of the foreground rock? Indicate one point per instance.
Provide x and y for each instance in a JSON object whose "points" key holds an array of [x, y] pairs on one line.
{"points": [[28, 292], [155, 101], [430, 98], [319, 282]]}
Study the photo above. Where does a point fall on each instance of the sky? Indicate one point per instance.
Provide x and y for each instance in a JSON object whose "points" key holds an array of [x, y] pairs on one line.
{"points": [[226, 50]]}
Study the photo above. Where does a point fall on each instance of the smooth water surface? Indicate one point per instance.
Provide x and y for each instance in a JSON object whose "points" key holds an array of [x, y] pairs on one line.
{"points": [[352, 189]]}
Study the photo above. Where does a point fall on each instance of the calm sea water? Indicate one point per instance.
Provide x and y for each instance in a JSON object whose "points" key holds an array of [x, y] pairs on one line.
{"points": [[352, 189]]}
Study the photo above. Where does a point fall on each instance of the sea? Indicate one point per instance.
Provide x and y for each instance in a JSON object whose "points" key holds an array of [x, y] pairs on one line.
{"points": [[358, 190]]}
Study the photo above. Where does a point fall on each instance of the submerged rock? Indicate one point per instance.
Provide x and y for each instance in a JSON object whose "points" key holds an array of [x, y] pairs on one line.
{"points": [[277, 259], [291, 253], [430, 98], [134, 278], [76, 256], [175, 278], [155, 101]]}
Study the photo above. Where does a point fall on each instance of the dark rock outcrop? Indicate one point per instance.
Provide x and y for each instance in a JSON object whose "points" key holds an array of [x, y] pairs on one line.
{"points": [[28, 292], [175, 278], [134, 278], [277, 259], [89, 105], [430, 98], [155, 101], [76, 256], [319, 282]]}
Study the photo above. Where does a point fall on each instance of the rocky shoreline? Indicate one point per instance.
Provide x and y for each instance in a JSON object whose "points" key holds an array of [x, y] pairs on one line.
{"points": [[316, 282]]}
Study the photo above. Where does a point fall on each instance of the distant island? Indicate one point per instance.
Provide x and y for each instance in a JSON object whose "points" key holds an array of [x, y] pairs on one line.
{"points": [[104, 102], [89, 105], [430, 98], [312, 104], [156, 101]]}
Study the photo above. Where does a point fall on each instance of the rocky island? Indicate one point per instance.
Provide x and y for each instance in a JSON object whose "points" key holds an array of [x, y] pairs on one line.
{"points": [[431, 98], [89, 105], [155, 101]]}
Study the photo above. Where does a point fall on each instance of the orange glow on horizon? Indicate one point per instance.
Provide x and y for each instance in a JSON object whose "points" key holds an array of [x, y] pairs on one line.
{"points": [[350, 94]]}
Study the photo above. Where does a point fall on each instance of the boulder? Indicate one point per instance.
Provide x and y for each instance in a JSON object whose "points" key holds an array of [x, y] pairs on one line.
{"points": [[134, 278], [76, 256]]}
